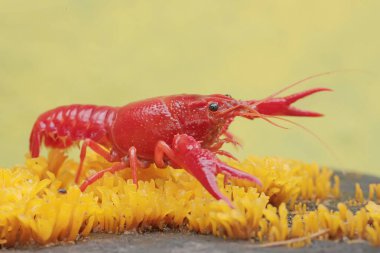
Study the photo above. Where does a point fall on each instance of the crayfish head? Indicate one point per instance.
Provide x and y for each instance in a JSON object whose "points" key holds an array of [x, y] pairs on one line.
{"points": [[224, 108], [206, 117]]}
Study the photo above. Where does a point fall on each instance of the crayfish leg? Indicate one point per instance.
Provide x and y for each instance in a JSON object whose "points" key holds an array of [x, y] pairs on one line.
{"points": [[162, 149], [230, 138], [131, 160], [92, 179], [133, 163], [95, 147], [227, 154]]}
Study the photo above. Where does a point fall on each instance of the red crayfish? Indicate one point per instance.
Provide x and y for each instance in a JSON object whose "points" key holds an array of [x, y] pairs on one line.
{"points": [[184, 131]]}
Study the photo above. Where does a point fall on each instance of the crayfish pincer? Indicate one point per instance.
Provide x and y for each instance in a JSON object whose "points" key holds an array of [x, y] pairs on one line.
{"points": [[185, 131]]}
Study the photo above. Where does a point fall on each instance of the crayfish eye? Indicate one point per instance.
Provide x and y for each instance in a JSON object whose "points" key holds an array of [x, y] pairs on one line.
{"points": [[213, 107]]}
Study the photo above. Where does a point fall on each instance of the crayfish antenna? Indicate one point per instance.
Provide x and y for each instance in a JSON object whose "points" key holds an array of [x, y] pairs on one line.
{"points": [[327, 147]]}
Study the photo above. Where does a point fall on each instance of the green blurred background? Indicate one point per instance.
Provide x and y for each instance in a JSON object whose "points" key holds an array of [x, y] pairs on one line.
{"points": [[114, 52]]}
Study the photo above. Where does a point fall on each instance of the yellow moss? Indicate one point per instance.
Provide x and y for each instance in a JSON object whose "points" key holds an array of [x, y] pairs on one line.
{"points": [[33, 211]]}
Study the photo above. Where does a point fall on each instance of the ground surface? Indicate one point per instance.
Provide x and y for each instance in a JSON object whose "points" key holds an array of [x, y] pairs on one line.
{"points": [[188, 242]]}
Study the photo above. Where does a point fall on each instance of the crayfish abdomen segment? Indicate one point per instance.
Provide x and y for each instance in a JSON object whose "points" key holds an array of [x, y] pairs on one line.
{"points": [[66, 125]]}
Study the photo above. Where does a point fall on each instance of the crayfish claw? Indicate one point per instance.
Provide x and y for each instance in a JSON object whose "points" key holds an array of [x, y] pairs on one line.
{"points": [[209, 182], [292, 111], [294, 97], [232, 172], [282, 106], [204, 165]]}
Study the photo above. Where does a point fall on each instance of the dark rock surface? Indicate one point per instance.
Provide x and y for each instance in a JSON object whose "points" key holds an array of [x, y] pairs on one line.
{"points": [[189, 242], [185, 242]]}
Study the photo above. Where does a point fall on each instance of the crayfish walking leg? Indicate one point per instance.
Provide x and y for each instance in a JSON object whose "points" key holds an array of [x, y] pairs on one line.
{"points": [[130, 160], [92, 179], [95, 147]]}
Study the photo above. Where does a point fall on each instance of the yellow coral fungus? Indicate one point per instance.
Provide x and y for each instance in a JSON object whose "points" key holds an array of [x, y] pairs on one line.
{"points": [[359, 196], [41, 204], [374, 192]]}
